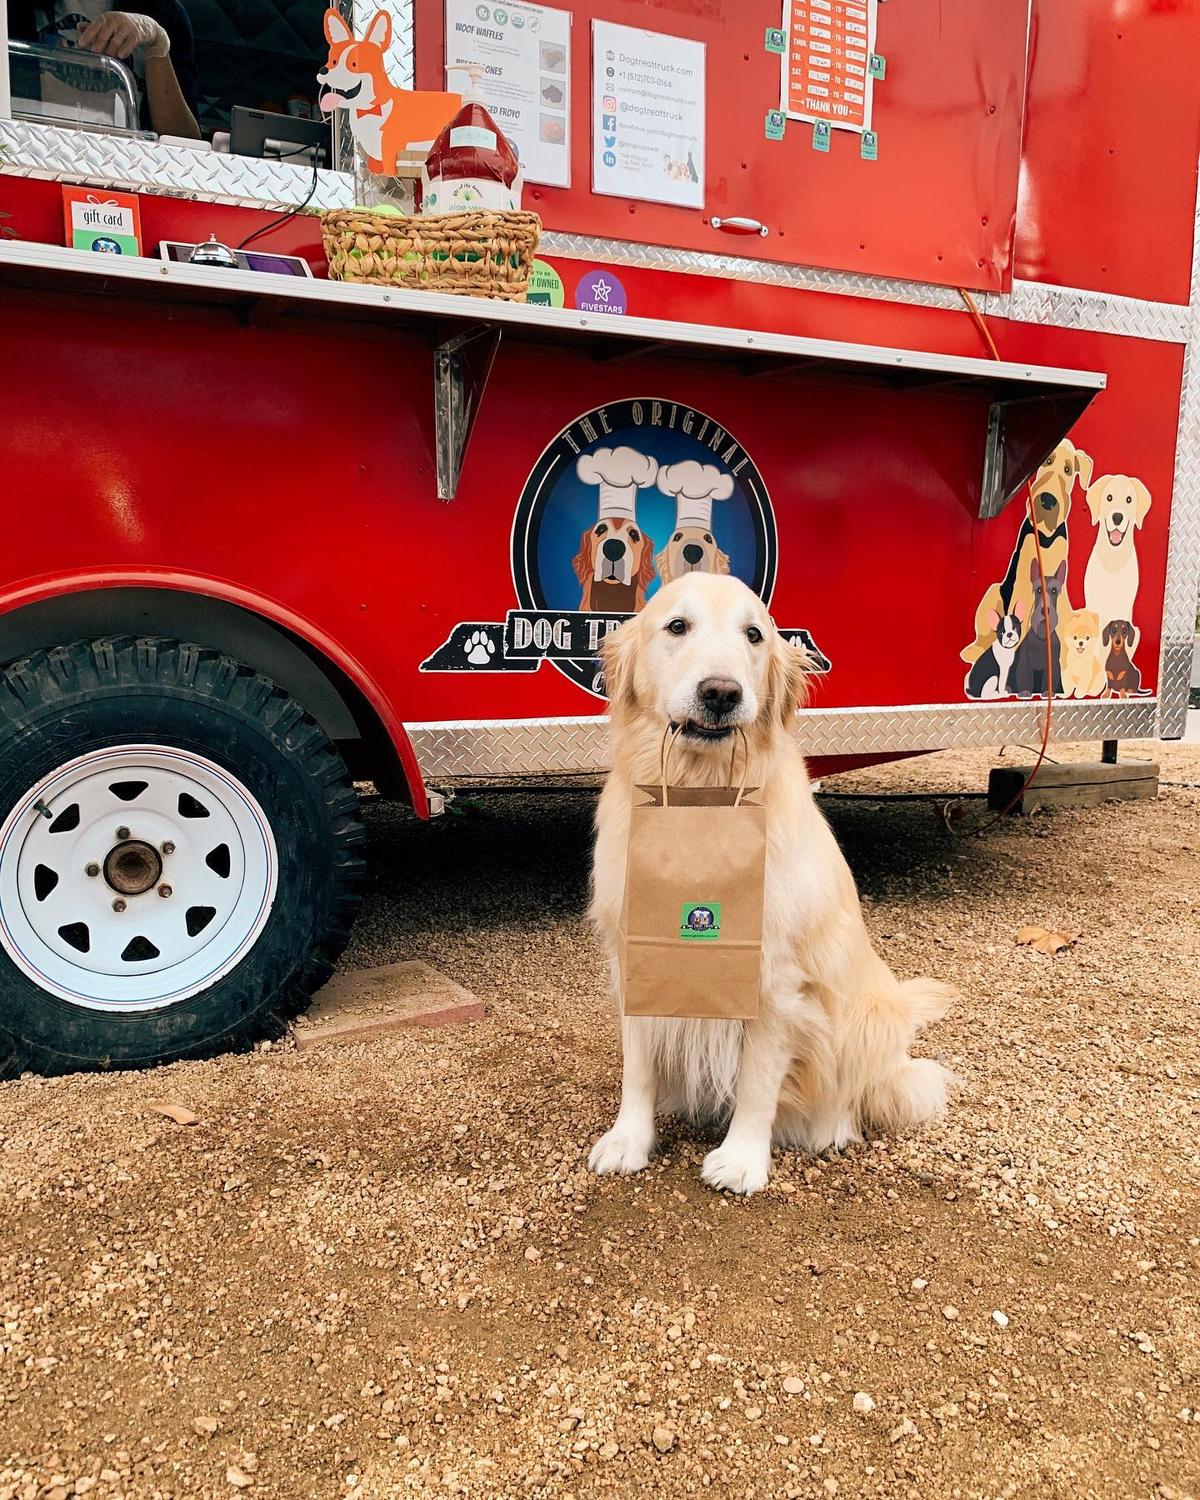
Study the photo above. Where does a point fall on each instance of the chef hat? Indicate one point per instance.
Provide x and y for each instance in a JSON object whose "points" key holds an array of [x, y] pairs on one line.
{"points": [[695, 486], [619, 472]]}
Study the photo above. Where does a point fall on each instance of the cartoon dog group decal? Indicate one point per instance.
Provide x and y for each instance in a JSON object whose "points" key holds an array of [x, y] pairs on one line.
{"points": [[1093, 642]]}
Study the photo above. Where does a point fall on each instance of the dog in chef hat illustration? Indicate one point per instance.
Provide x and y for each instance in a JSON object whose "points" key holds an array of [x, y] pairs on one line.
{"points": [[615, 562], [692, 549]]}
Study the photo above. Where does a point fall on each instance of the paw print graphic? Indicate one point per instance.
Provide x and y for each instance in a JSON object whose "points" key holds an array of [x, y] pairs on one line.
{"points": [[479, 648]]}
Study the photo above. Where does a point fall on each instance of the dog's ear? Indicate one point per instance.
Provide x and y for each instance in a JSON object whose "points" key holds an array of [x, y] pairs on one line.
{"points": [[1107, 636], [1142, 496], [619, 651], [1095, 496], [645, 572], [787, 679], [993, 619], [1019, 609], [722, 560], [660, 563], [336, 29], [584, 560], [379, 32], [1083, 467]]}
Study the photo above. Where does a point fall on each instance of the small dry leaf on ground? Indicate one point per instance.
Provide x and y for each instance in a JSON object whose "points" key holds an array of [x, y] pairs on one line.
{"points": [[1046, 941], [177, 1112]]}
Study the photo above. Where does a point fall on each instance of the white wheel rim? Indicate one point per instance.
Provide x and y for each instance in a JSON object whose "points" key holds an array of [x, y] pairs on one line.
{"points": [[218, 876]]}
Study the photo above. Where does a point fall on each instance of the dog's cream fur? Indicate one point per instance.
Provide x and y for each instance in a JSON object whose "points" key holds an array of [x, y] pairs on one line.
{"points": [[827, 1058]]}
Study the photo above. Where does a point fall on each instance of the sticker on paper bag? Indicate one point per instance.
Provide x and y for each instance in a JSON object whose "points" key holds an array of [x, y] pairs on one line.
{"points": [[700, 922], [776, 120], [869, 150]]}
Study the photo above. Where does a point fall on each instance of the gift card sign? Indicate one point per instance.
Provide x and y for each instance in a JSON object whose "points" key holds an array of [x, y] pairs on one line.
{"points": [[105, 222], [700, 922]]}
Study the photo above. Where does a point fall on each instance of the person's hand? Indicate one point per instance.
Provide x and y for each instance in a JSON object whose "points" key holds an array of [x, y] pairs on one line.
{"points": [[124, 34]]}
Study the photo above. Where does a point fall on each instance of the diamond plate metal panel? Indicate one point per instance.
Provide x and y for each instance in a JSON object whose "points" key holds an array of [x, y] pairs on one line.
{"points": [[743, 268], [148, 166], [1183, 547], [480, 749], [1059, 307], [1092, 312]]}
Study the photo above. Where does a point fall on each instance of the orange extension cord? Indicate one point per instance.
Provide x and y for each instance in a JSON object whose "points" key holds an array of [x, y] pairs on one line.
{"points": [[986, 334]]}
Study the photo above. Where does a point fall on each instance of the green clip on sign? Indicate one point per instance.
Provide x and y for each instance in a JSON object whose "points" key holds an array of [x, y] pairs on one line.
{"points": [[878, 66], [821, 135], [869, 150], [775, 40], [776, 120]]}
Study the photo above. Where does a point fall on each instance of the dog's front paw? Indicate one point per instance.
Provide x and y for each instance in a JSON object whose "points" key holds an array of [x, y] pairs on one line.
{"points": [[620, 1151], [737, 1168]]}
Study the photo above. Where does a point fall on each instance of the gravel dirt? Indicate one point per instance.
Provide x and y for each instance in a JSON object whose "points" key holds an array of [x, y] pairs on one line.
{"points": [[381, 1269]]}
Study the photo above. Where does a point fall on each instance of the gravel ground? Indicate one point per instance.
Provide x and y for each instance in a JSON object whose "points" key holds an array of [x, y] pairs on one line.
{"points": [[382, 1269]]}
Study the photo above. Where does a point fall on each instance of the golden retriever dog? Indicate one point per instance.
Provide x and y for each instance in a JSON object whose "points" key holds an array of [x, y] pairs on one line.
{"points": [[690, 550], [1050, 489], [615, 567], [1082, 668], [826, 1060]]}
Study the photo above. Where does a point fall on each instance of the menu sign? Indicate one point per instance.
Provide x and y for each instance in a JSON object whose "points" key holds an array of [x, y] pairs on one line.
{"points": [[524, 54], [827, 73]]}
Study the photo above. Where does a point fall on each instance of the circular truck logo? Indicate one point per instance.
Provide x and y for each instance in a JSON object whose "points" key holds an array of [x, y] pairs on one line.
{"points": [[627, 497]]}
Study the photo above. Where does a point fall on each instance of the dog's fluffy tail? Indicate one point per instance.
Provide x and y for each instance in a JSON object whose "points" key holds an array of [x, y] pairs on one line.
{"points": [[899, 1091]]}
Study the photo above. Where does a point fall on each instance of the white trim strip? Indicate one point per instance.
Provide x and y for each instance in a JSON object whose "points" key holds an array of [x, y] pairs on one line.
{"points": [[52, 260]]}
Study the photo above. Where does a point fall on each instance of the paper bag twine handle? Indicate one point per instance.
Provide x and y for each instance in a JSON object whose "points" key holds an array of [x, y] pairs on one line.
{"points": [[671, 736]]}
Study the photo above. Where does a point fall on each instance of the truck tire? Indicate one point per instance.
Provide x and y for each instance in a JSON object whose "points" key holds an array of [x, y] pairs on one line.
{"points": [[178, 856]]}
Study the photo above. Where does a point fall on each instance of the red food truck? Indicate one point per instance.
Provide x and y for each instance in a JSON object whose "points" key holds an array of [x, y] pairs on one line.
{"points": [[265, 533]]}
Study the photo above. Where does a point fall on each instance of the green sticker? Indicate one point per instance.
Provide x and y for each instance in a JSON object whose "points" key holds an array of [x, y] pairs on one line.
{"points": [[821, 135], [545, 286], [776, 120], [776, 40], [869, 150], [700, 921], [878, 66]]}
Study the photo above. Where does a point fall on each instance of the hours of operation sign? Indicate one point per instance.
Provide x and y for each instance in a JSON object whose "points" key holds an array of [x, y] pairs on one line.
{"points": [[826, 65]]}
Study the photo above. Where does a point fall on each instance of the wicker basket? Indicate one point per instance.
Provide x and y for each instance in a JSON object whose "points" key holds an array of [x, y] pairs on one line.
{"points": [[481, 254]]}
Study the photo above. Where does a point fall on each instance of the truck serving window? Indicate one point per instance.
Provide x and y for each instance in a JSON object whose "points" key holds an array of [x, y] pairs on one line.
{"points": [[184, 94]]}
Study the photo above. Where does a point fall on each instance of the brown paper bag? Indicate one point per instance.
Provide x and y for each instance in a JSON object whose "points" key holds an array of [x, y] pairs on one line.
{"points": [[691, 923]]}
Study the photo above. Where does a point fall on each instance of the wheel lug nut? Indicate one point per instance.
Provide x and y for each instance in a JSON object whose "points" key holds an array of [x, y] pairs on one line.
{"points": [[164, 890], [118, 904], [168, 847], [91, 869], [122, 833]]}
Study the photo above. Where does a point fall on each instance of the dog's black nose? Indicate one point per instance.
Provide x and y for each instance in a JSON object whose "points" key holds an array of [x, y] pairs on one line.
{"points": [[720, 695], [614, 550], [1118, 517], [1048, 501], [692, 552]]}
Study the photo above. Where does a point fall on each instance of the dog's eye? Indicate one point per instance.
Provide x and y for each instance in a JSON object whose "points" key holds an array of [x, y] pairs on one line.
{"points": [[708, 538], [634, 535], [754, 635], [677, 626], [600, 530], [678, 537]]}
